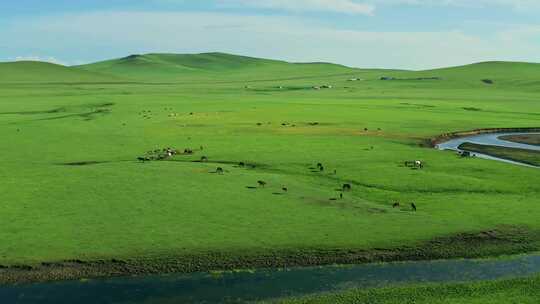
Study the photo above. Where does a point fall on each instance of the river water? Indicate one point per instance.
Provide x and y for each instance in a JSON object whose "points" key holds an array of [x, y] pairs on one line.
{"points": [[242, 287], [492, 139]]}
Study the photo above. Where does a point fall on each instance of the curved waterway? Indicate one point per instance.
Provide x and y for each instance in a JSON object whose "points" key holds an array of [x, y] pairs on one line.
{"points": [[491, 139], [242, 287]]}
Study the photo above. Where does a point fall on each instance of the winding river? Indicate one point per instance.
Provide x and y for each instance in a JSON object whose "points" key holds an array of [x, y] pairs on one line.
{"points": [[241, 287], [492, 139]]}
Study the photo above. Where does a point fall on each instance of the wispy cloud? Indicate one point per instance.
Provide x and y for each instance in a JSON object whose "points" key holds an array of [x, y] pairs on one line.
{"points": [[334, 6], [102, 35], [514, 4]]}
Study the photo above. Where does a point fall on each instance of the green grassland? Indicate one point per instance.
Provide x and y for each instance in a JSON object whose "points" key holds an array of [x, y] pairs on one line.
{"points": [[72, 188], [522, 291], [520, 155]]}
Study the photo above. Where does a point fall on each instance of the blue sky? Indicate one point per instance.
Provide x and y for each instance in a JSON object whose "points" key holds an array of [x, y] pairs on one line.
{"points": [[411, 34]]}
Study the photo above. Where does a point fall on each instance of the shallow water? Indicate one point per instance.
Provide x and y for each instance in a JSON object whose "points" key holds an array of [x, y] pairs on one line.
{"points": [[241, 287], [492, 139]]}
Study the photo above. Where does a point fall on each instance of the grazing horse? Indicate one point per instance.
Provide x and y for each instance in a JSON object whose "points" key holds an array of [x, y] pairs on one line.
{"points": [[261, 183], [396, 205], [413, 206], [347, 187]]}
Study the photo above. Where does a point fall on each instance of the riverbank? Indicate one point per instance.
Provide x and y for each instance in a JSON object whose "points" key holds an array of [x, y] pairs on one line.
{"points": [[518, 155], [533, 139], [504, 240], [522, 290], [433, 142]]}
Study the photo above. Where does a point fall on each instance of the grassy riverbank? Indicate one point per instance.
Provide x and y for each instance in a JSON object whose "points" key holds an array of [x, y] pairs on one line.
{"points": [[73, 192], [518, 291], [531, 139], [520, 155]]}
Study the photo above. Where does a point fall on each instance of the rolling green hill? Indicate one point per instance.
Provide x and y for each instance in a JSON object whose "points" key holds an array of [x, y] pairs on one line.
{"points": [[43, 72], [217, 66]]}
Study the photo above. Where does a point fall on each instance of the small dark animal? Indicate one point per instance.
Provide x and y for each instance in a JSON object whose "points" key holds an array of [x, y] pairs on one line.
{"points": [[413, 206], [341, 196], [261, 183], [347, 187], [321, 168], [487, 81], [204, 159], [285, 189], [319, 165], [396, 205], [241, 164], [335, 172], [366, 129], [219, 170]]}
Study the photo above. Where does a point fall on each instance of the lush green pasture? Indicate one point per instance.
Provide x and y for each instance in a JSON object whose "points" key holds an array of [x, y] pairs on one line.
{"points": [[530, 157], [517, 291], [72, 188]]}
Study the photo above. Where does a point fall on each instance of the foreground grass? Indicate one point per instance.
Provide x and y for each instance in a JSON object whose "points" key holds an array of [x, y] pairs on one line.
{"points": [[516, 291], [532, 139], [521, 155]]}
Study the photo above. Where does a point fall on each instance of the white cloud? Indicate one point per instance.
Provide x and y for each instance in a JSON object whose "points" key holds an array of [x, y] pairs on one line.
{"points": [[104, 35], [336, 6], [514, 4]]}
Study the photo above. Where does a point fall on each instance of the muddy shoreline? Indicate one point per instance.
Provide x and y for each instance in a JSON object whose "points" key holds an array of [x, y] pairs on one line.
{"points": [[500, 241]]}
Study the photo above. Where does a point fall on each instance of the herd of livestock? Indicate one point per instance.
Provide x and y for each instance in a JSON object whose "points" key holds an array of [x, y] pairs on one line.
{"points": [[167, 153]]}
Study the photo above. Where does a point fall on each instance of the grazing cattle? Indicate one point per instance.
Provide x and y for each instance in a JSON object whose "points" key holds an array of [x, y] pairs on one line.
{"points": [[261, 183], [347, 187], [204, 159], [259, 124], [396, 205], [285, 189], [241, 164], [413, 206], [143, 159], [188, 151], [366, 129], [418, 164], [321, 168], [335, 172], [319, 165], [219, 170], [341, 196]]}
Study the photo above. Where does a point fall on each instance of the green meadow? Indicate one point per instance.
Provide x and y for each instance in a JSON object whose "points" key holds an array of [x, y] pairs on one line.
{"points": [[72, 187]]}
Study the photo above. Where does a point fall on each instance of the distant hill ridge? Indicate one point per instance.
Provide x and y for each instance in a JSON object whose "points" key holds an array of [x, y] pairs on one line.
{"points": [[163, 67]]}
